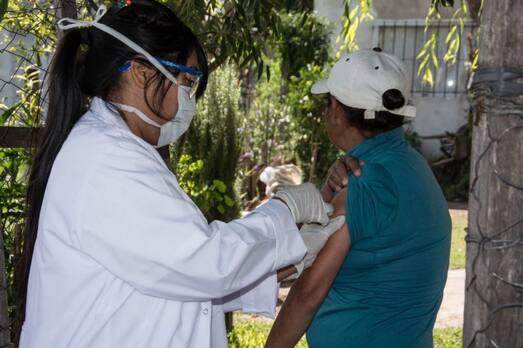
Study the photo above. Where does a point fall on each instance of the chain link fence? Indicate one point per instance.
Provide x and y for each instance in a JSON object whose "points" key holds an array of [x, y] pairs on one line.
{"points": [[27, 41]]}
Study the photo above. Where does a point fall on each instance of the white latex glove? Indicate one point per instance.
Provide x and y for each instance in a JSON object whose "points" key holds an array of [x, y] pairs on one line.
{"points": [[315, 236], [306, 203]]}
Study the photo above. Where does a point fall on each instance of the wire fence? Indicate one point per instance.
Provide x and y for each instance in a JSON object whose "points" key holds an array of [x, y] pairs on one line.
{"points": [[27, 40]]}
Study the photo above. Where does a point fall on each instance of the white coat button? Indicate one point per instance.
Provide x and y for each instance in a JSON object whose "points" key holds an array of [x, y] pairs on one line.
{"points": [[205, 311]]}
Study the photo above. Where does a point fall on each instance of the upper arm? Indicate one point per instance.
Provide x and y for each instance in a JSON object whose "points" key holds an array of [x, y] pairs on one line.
{"points": [[372, 202], [315, 282]]}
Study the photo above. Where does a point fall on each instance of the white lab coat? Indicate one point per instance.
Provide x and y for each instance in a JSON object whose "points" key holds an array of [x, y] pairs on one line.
{"points": [[124, 258]]}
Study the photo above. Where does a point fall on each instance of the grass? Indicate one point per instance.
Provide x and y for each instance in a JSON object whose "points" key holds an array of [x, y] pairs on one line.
{"points": [[448, 337], [458, 246], [252, 334]]}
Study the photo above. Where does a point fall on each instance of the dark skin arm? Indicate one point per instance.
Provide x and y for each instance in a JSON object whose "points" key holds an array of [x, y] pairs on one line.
{"points": [[309, 291], [286, 272]]}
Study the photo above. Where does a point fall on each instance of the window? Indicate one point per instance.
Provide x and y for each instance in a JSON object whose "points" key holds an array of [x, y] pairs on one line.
{"points": [[405, 38]]}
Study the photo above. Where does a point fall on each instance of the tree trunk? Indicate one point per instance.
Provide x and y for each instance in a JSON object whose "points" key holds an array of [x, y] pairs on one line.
{"points": [[65, 9], [494, 281]]}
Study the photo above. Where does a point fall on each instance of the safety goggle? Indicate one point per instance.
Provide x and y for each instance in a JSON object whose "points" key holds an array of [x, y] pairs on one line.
{"points": [[194, 77], [72, 23]]}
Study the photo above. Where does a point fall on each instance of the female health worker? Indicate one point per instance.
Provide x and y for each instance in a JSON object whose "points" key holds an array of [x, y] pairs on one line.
{"points": [[116, 254]]}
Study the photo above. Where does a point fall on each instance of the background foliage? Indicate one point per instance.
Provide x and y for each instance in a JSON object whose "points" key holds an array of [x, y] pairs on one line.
{"points": [[212, 147]]}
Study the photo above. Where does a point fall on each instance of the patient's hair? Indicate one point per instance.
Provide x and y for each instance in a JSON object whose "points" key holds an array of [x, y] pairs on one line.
{"points": [[384, 120]]}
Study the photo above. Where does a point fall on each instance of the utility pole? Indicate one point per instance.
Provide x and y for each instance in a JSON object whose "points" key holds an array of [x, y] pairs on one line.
{"points": [[494, 281]]}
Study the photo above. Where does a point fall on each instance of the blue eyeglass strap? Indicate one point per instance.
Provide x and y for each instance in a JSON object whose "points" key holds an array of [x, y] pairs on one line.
{"points": [[180, 67], [125, 67]]}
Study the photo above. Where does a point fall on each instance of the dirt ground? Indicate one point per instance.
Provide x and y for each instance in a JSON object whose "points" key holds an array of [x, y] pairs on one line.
{"points": [[451, 312]]}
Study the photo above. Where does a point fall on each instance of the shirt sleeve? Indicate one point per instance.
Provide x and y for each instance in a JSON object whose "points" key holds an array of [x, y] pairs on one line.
{"points": [[372, 202], [134, 220], [260, 298]]}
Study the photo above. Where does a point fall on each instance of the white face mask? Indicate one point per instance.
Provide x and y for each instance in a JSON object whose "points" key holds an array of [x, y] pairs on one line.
{"points": [[172, 130]]}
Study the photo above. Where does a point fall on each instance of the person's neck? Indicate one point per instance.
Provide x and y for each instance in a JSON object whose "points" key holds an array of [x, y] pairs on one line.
{"points": [[351, 139], [357, 137]]}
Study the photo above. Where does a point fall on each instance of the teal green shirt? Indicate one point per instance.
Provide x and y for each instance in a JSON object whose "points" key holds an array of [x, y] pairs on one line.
{"points": [[389, 288]]}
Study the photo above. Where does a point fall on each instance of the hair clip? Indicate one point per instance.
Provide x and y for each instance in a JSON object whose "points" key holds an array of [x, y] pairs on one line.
{"points": [[124, 3]]}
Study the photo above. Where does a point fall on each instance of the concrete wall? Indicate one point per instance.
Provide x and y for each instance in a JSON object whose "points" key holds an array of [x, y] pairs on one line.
{"points": [[435, 115]]}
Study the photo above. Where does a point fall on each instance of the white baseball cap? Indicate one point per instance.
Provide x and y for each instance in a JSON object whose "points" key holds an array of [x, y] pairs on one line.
{"points": [[360, 79]]}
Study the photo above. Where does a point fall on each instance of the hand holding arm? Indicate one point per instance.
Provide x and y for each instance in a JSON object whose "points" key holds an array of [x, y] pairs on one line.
{"points": [[338, 174]]}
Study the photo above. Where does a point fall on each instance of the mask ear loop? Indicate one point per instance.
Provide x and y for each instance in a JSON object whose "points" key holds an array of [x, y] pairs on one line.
{"points": [[138, 113], [70, 23]]}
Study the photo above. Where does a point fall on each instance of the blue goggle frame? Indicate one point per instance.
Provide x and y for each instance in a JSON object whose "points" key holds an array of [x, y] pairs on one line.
{"points": [[192, 71]]}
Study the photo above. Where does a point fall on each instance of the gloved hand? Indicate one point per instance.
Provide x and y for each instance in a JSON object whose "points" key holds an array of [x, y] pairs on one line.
{"points": [[315, 236], [306, 203]]}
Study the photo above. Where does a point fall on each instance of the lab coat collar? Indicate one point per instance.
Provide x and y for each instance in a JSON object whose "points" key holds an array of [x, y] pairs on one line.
{"points": [[108, 113]]}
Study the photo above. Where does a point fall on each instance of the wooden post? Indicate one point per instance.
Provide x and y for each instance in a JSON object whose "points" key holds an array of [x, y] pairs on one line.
{"points": [[5, 328], [65, 8], [494, 280], [18, 137]]}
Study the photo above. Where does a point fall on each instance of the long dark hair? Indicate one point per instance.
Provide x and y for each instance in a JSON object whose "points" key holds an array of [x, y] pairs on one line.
{"points": [[84, 66]]}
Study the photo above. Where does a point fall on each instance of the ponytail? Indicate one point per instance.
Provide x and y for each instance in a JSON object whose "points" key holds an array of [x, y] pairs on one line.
{"points": [[66, 104]]}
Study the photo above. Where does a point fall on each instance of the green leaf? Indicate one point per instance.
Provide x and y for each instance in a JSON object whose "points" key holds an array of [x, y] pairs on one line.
{"points": [[220, 186], [4, 117], [451, 34], [229, 201]]}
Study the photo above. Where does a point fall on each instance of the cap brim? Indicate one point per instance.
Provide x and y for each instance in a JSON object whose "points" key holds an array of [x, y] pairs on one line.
{"points": [[320, 87]]}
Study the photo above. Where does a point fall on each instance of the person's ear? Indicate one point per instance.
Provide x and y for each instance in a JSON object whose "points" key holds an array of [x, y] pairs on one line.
{"points": [[140, 73], [338, 114]]}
